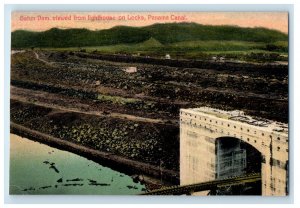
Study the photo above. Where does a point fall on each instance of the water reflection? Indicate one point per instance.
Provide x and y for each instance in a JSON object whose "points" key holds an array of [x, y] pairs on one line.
{"points": [[39, 169]]}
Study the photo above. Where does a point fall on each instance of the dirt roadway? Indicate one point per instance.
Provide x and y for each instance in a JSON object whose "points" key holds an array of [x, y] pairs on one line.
{"points": [[63, 103], [37, 56]]}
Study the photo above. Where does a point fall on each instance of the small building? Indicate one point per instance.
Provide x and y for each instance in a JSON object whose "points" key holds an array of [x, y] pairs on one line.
{"points": [[130, 69]]}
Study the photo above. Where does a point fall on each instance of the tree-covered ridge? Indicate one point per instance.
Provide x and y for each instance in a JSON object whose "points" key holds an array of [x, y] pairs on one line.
{"points": [[162, 33]]}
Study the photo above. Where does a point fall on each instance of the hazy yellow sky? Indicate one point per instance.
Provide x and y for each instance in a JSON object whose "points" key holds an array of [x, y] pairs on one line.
{"points": [[40, 21]]}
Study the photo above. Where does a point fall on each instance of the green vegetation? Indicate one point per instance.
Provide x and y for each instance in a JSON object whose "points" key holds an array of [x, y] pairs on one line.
{"points": [[247, 51], [160, 33], [117, 99], [180, 40]]}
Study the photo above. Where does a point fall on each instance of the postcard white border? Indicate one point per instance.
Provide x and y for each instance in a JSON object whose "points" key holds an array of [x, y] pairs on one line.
{"points": [[66, 199]]}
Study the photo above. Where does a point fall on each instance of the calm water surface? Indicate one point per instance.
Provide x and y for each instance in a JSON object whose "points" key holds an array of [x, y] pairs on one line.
{"points": [[36, 168]]}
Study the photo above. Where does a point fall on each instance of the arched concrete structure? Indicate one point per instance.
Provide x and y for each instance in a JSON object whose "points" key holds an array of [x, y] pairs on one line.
{"points": [[199, 129]]}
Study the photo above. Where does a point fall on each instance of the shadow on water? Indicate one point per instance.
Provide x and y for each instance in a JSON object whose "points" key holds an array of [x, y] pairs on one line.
{"points": [[45, 187], [60, 180], [75, 179], [52, 165], [132, 187]]}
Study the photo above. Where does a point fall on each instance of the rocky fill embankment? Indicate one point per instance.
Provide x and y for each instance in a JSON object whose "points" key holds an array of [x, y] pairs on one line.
{"points": [[134, 113]]}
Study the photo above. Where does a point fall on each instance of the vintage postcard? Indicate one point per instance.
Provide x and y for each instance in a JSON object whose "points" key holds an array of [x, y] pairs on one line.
{"points": [[149, 103]]}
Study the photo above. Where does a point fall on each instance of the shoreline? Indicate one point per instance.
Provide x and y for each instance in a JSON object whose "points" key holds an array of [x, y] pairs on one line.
{"points": [[118, 163]]}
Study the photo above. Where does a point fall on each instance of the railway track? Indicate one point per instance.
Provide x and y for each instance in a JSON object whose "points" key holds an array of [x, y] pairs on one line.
{"points": [[188, 189]]}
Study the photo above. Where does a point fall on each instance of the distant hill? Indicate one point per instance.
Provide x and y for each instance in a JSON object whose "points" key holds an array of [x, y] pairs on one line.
{"points": [[154, 34], [151, 42]]}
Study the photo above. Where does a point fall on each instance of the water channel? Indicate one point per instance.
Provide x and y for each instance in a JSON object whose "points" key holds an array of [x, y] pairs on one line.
{"points": [[36, 168]]}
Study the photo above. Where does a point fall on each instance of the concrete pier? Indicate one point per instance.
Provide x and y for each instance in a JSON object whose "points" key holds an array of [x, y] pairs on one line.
{"points": [[202, 129]]}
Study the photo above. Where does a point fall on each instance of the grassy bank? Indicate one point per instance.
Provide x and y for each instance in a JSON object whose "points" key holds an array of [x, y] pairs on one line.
{"points": [[198, 50]]}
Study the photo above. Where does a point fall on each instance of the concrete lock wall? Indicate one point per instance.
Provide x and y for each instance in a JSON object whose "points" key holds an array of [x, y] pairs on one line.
{"points": [[199, 130]]}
